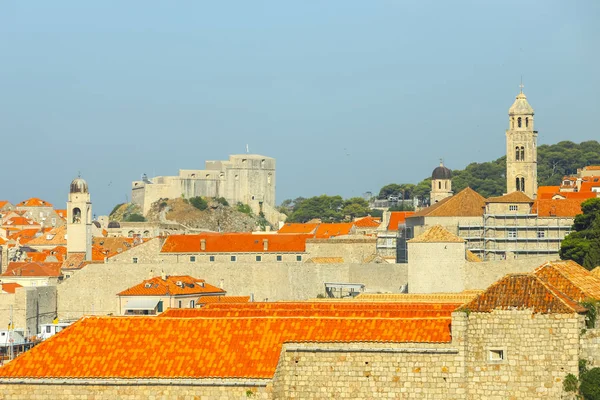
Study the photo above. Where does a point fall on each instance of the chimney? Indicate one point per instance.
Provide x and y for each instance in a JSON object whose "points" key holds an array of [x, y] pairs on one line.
{"points": [[203, 244], [251, 297], [265, 244], [163, 276]]}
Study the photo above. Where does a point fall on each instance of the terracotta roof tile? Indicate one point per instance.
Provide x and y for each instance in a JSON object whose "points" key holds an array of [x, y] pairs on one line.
{"points": [[453, 299], [120, 347], [325, 231], [367, 222], [222, 299], [514, 197], [24, 235], [398, 218], [557, 208], [20, 221], [103, 247], [523, 291], [9, 287], [34, 202], [298, 228], [31, 269], [466, 203], [56, 237], [592, 168], [61, 213], [236, 243], [472, 257], [437, 234], [158, 287], [596, 272], [571, 279]]}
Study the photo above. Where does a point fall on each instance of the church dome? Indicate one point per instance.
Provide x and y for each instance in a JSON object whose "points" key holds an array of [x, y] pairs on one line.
{"points": [[79, 186], [441, 172], [520, 106]]}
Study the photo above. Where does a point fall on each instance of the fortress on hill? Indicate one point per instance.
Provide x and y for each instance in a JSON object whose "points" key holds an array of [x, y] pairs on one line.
{"points": [[244, 178]]}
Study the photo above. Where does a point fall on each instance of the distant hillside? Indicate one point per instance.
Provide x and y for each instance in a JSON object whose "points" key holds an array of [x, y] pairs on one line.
{"points": [[489, 178], [215, 216]]}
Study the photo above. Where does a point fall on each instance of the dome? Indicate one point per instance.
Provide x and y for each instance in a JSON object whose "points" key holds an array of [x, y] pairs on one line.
{"points": [[79, 186], [520, 106], [441, 172]]}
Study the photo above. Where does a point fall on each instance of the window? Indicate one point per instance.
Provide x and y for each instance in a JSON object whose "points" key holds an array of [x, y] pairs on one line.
{"points": [[134, 260], [298, 258], [496, 355], [180, 304], [76, 215], [541, 234], [522, 153], [522, 184], [526, 122], [279, 258], [512, 233], [48, 329], [192, 304], [439, 185], [192, 258], [233, 258], [258, 258], [160, 306], [517, 153], [513, 207], [519, 122], [518, 184], [211, 258]]}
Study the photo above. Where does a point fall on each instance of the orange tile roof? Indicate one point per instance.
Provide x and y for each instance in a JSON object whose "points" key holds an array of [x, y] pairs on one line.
{"points": [[325, 231], [236, 243], [514, 197], [576, 195], [523, 291], [472, 257], [34, 202], [32, 269], [2, 241], [592, 168], [3, 203], [466, 203], [158, 287], [450, 301], [121, 347], [596, 272], [571, 279], [103, 247], [20, 221], [298, 228], [9, 287], [76, 261], [398, 218], [36, 256], [24, 235], [543, 190], [425, 303], [55, 237], [437, 234], [367, 222], [222, 299], [62, 213], [557, 208]]}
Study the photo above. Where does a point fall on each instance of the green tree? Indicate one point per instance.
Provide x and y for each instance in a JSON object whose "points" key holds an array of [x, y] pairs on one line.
{"points": [[199, 203], [583, 244], [244, 208], [327, 208], [135, 218], [355, 207]]}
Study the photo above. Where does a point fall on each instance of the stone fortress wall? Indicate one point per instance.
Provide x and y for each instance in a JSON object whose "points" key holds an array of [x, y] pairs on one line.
{"points": [[244, 178]]}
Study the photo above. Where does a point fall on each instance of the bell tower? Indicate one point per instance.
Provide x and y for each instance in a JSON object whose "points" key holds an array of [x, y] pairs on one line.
{"points": [[441, 184], [521, 148], [79, 219]]}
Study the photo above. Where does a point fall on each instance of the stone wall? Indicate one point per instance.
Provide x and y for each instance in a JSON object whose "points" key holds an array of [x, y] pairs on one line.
{"points": [[31, 306], [110, 390], [354, 250], [539, 350], [93, 290], [436, 267], [590, 347], [480, 275]]}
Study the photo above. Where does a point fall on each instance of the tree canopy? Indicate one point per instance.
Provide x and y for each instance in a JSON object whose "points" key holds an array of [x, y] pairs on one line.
{"points": [[583, 244], [325, 208]]}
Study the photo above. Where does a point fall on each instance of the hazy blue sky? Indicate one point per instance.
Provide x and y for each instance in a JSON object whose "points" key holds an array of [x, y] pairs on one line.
{"points": [[346, 95]]}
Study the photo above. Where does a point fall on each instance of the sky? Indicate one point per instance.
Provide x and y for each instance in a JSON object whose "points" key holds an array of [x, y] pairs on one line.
{"points": [[348, 96]]}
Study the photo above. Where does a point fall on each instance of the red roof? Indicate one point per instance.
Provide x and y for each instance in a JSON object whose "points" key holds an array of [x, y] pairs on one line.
{"points": [[61, 213], [18, 221], [325, 231], [298, 228], [367, 222], [171, 286], [32, 269], [24, 235], [150, 347], [398, 218], [557, 208], [571, 279], [34, 202], [236, 243], [9, 287]]}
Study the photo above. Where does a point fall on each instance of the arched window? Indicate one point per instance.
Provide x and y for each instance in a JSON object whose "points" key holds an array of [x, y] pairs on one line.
{"points": [[439, 185], [512, 123], [518, 181], [526, 122], [517, 153], [519, 122], [76, 215], [522, 184], [522, 153]]}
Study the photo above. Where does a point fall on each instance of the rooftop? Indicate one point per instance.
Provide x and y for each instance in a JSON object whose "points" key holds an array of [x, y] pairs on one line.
{"points": [[34, 202], [171, 286], [466, 203], [514, 197], [437, 234], [571, 279], [235, 243], [32, 269]]}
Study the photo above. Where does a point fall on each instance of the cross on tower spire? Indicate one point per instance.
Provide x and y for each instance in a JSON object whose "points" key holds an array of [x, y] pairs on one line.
{"points": [[521, 85]]}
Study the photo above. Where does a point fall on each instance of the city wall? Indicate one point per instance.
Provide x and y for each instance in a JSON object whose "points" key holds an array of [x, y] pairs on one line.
{"points": [[31, 306], [93, 290]]}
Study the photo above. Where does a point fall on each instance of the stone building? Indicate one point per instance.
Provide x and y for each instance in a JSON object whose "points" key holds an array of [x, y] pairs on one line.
{"points": [[345, 349], [79, 219], [521, 149], [244, 178], [441, 184]]}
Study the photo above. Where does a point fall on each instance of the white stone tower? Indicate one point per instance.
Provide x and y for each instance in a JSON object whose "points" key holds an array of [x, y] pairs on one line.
{"points": [[521, 148], [441, 184], [79, 219]]}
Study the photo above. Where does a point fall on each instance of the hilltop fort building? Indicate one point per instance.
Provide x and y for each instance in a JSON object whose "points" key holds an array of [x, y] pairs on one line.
{"points": [[244, 178]]}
